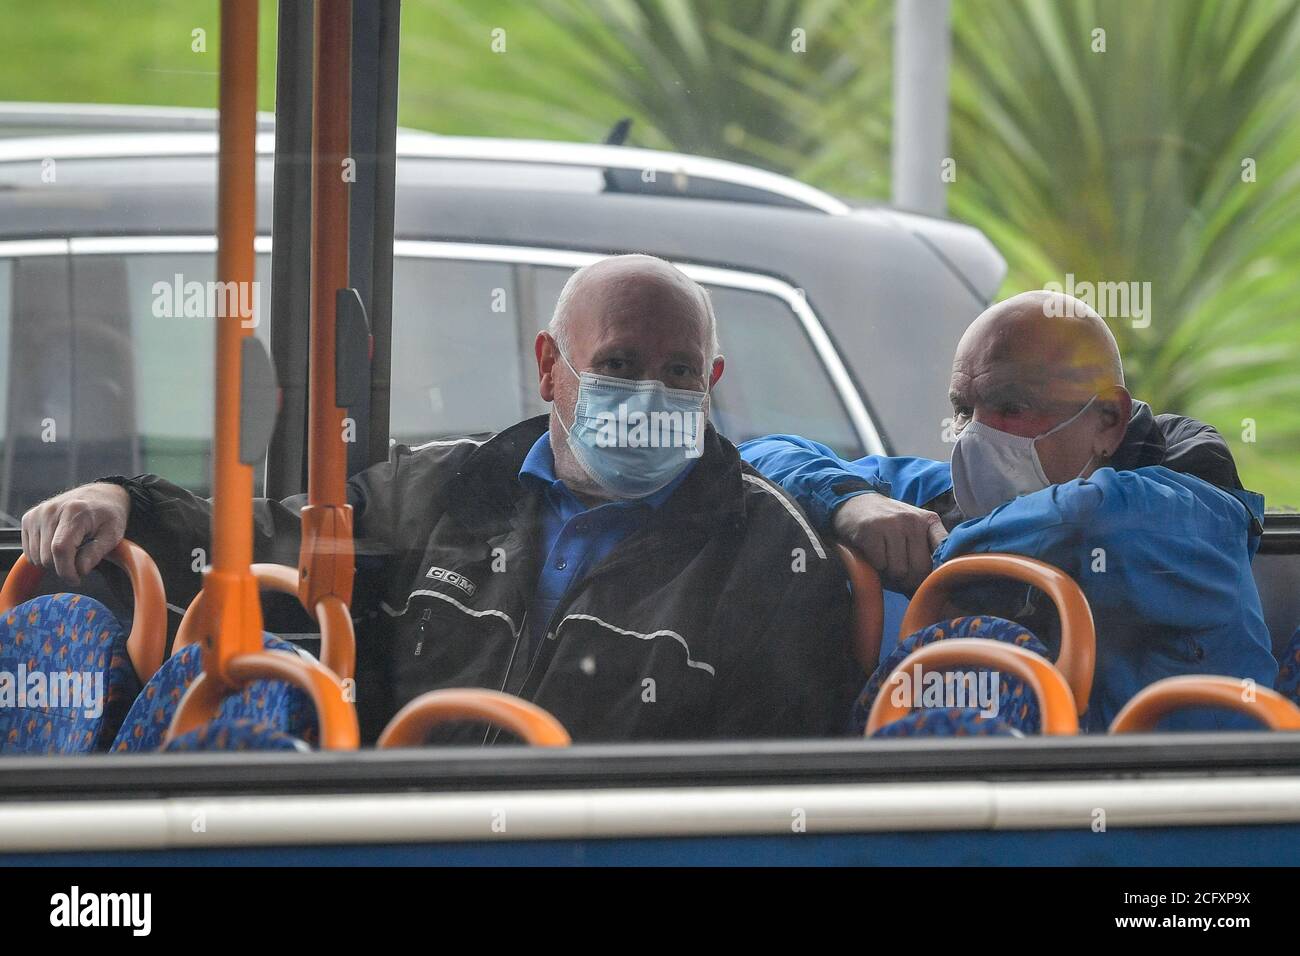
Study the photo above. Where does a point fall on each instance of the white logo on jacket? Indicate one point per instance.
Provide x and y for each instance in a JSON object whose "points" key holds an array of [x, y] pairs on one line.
{"points": [[451, 577]]}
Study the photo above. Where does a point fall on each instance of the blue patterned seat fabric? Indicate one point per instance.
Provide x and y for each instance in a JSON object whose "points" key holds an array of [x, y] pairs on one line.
{"points": [[947, 722], [1017, 708], [1288, 671], [56, 642], [272, 705], [240, 734]]}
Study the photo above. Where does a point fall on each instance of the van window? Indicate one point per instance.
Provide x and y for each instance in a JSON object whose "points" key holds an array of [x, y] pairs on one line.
{"points": [[174, 383], [106, 377], [460, 365]]}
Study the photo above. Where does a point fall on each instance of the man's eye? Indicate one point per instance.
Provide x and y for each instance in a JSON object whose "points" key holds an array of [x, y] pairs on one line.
{"points": [[681, 371], [614, 364]]}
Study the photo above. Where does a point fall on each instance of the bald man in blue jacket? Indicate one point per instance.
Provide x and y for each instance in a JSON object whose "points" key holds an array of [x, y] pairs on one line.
{"points": [[1055, 460]]}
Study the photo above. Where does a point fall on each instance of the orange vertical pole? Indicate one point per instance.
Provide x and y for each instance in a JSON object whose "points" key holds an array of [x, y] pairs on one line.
{"points": [[326, 561], [234, 624]]}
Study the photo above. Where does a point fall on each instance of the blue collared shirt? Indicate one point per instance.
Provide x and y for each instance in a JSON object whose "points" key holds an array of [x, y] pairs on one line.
{"points": [[575, 538]]}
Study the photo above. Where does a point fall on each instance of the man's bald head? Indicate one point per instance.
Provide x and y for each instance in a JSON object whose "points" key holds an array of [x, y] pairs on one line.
{"points": [[1029, 363], [637, 284], [1051, 332]]}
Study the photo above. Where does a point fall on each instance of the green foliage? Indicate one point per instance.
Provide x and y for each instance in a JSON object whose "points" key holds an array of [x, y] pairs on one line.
{"points": [[1115, 166], [1127, 165], [121, 51], [718, 78]]}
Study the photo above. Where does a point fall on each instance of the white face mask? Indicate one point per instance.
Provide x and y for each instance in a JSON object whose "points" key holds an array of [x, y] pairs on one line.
{"points": [[991, 467]]}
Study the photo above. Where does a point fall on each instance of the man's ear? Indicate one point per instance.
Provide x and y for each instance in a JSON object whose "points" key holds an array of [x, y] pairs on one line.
{"points": [[715, 373], [544, 347], [1116, 406]]}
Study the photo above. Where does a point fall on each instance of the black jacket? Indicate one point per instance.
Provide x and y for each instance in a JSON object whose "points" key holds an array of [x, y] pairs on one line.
{"points": [[724, 616]]}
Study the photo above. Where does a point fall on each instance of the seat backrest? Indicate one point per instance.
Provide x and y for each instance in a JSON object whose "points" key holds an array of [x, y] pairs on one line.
{"points": [[1016, 704], [1156, 701], [1055, 700], [73, 680], [224, 734], [868, 607], [279, 706]]}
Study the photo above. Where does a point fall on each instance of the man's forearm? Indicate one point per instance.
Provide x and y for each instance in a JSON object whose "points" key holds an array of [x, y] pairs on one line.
{"points": [[810, 472]]}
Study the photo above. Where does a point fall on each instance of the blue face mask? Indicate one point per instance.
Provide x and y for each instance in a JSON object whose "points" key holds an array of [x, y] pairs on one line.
{"points": [[634, 437]]}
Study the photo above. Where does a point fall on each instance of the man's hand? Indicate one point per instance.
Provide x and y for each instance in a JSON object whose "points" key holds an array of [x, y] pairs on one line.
{"points": [[70, 533], [895, 538]]}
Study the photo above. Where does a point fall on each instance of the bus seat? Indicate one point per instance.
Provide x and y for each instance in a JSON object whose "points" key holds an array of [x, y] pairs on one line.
{"points": [[410, 726], [58, 636], [240, 734], [1049, 687], [1144, 712], [868, 607], [1016, 706], [279, 705], [1288, 671], [950, 722]]}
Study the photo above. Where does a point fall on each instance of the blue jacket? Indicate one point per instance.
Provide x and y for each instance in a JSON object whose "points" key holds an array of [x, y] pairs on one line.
{"points": [[1163, 557]]}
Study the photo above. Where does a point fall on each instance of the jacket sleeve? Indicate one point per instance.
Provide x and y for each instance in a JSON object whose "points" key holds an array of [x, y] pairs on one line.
{"points": [[174, 526], [1167, 547], [811, 473], [795, 677], [821, 481]]}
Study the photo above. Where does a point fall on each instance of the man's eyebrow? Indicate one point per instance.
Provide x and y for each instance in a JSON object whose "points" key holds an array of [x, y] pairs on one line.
{"points": [[994, 392], [615, 349], [688, 357]]}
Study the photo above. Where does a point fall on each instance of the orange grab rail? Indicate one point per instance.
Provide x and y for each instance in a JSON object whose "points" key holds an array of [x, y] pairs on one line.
{"points": [[1078, 634], [148, 638], [338, 639], [411, 726], [1048, 685], [1155, 701], [868, 607], [335, 715]]}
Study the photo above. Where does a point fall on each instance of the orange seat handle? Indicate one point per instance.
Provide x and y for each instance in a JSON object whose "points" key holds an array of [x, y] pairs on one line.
{"points": [[338, 639], [1078, 655], [1156, 701], [147, 641], [868, 607], [1049, 686], [411, 726], [336, 718]]}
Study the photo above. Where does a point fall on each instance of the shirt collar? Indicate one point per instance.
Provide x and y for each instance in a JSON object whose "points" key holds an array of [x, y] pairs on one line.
{"points": [[538, 469]]}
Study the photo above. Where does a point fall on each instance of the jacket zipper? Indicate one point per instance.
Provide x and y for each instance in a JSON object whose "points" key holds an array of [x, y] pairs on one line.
{"points": [[544, 649], [510, 665], [532, 666], [423, 622], [514, 651]]}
